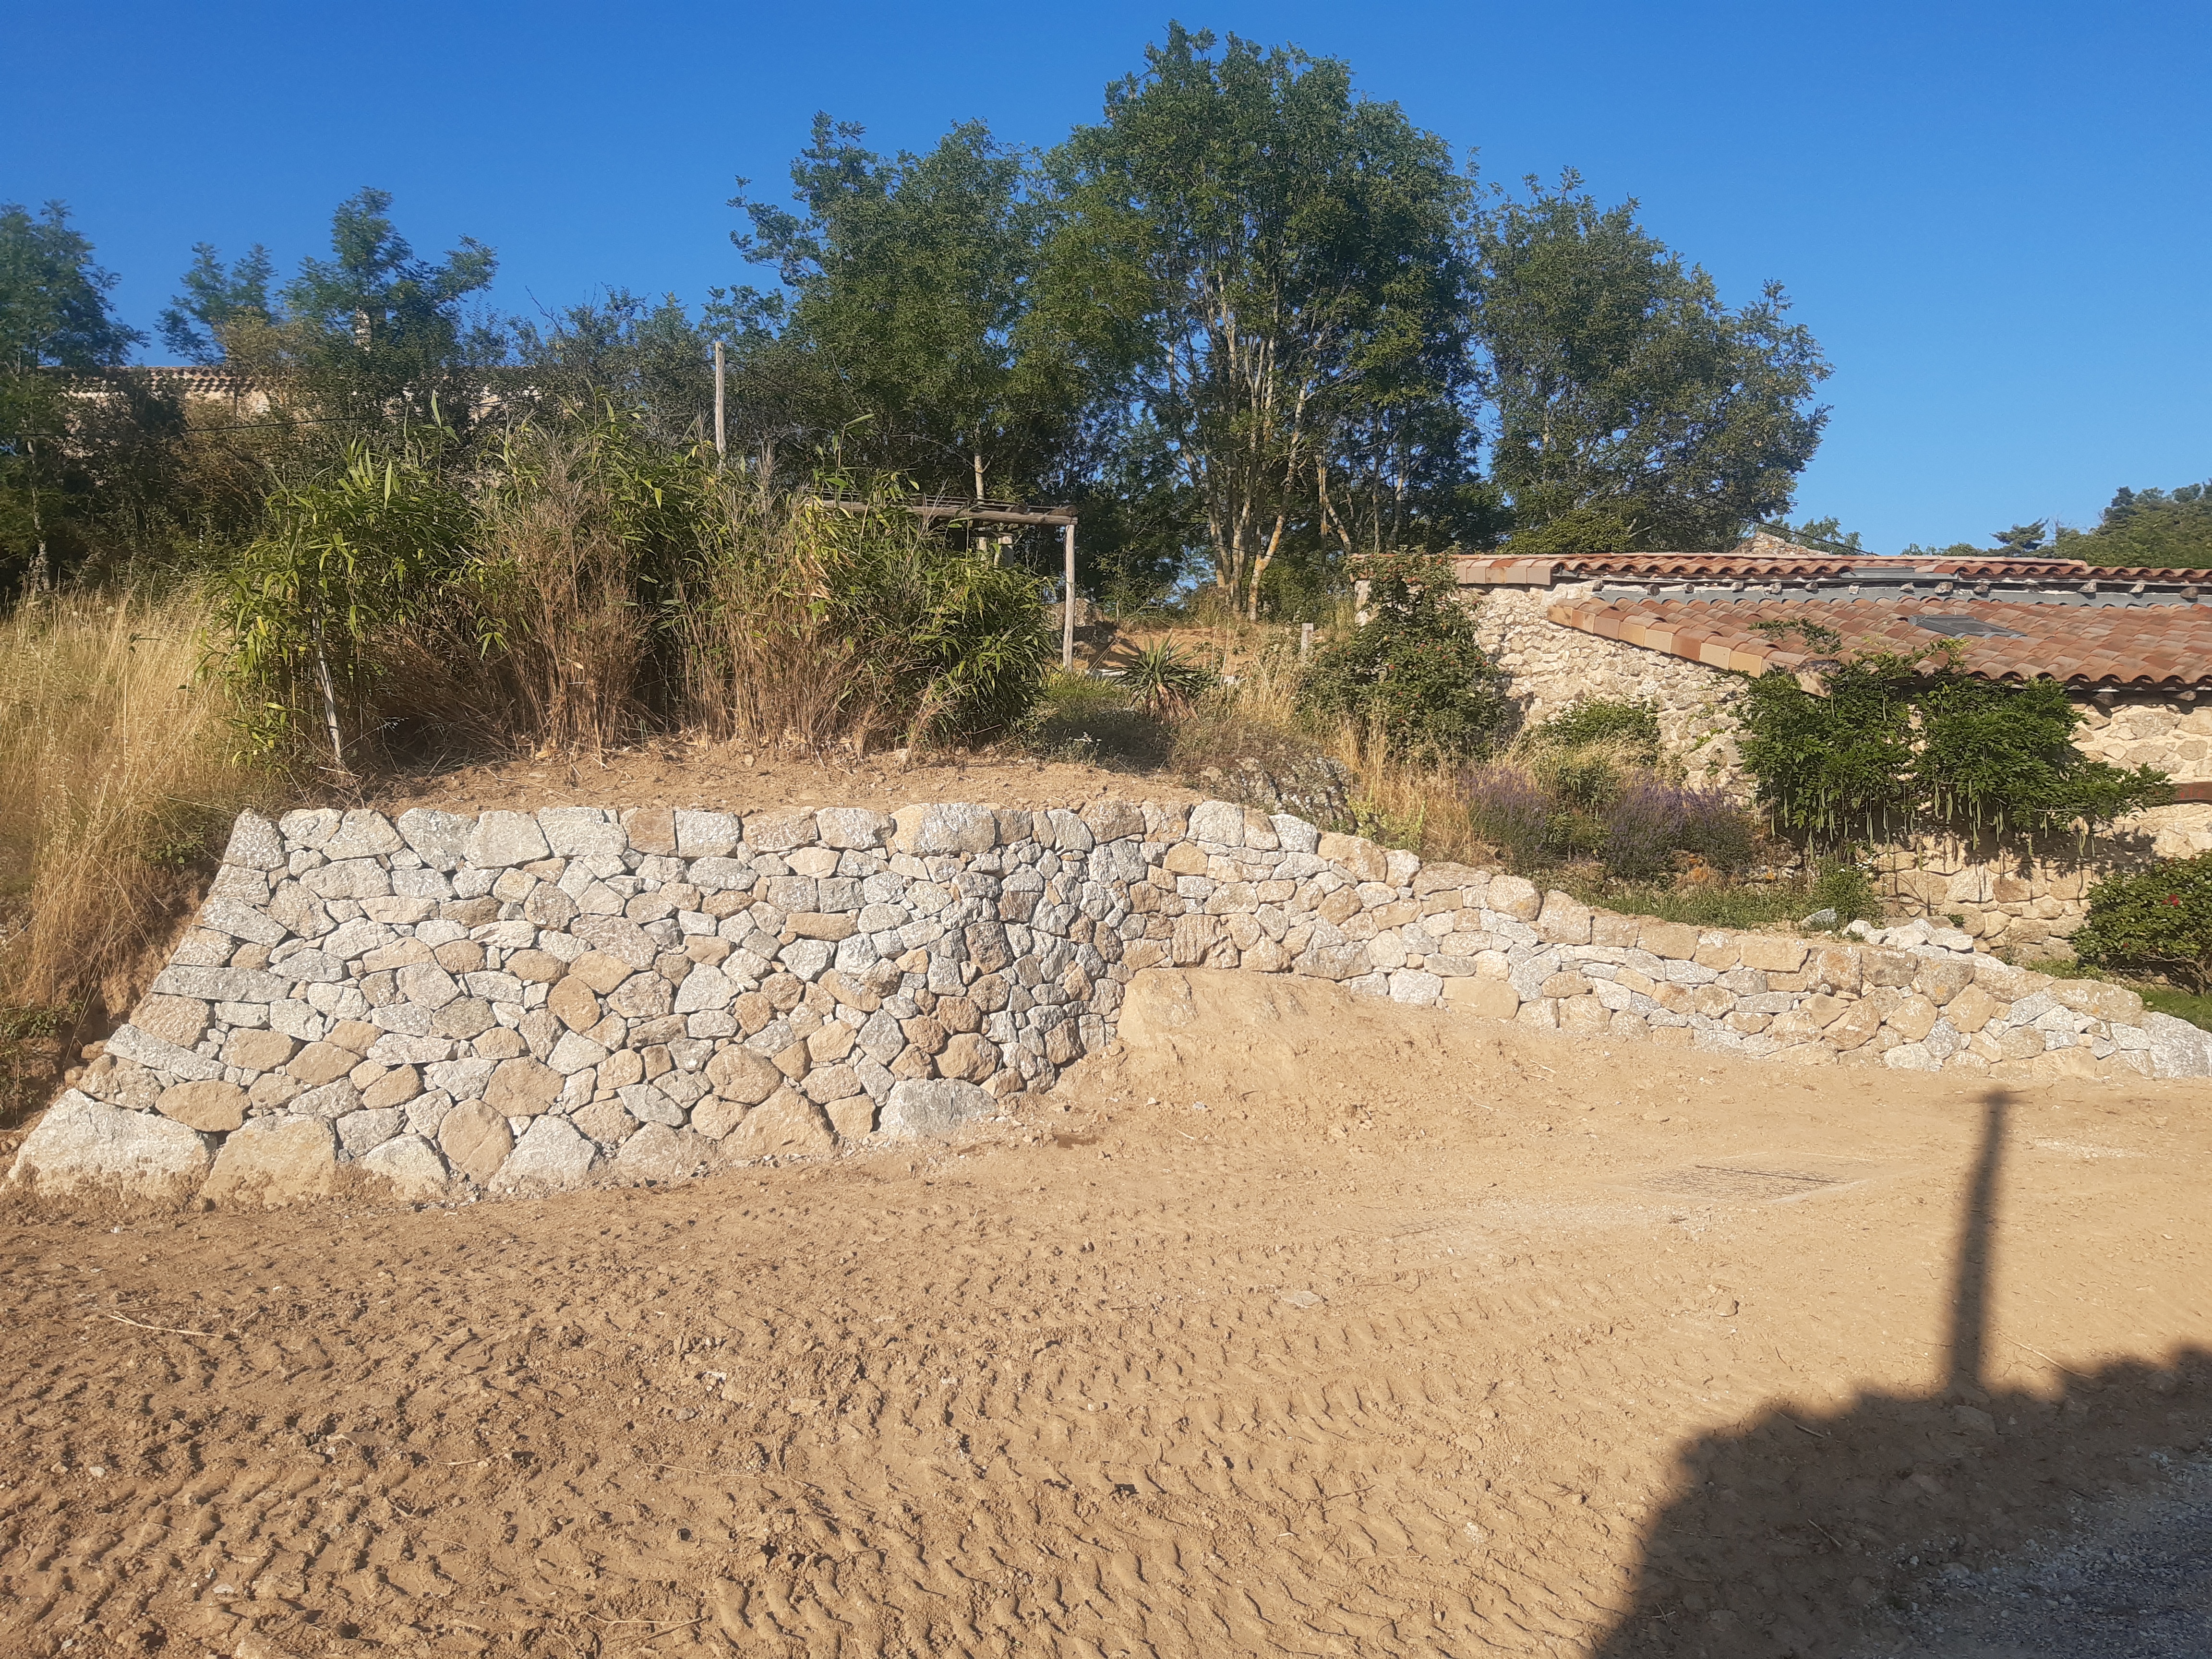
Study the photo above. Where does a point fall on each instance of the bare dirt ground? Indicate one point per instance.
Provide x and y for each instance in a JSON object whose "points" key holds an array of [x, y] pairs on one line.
{"points": [[1302, 1325]]}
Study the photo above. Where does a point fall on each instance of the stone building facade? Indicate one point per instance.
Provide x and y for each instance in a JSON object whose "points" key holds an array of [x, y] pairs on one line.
{"points": [[2135, 648]]}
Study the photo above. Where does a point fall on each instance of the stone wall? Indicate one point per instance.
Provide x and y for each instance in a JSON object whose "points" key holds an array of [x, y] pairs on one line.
{"points": [[1554, 667], [517, 1003]]}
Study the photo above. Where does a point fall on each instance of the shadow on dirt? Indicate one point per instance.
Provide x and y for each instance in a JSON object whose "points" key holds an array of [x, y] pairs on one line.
{"points": [[1799, 1534]]}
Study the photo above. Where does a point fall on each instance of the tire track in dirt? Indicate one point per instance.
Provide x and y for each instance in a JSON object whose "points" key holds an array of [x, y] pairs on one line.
{"points": [[1229, 1382]]}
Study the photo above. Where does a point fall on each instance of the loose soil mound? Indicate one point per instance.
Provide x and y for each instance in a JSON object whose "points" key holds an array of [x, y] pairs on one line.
{"points": [[1300, 1324]]}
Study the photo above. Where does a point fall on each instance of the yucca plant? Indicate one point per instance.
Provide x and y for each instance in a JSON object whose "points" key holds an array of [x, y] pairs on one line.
{"points": [[1162, 680]]}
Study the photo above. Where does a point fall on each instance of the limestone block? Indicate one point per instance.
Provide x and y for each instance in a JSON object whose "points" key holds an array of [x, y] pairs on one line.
{"points": [[242, 921], [2007, 983], [581, 832], [1334, 962], [1563, 922], [571, 1002], [1879, 967], [395, 1088], [852, 827], [1184, 860], [2177, 1047], [212, 1106], [949, 828], [2112, 1003], [920, 1109], [785, 1125], [1912, 1019], [1218, 821], [322, 1062], [254, 843], [1491, 998], [274, 1160], [550, 1158], [1940, 979], [361, 1132], [1673, 941], [180, 1020], [257, 1050], [1542, 1013], [81, 1142], [412, 1165], [475, 1139], [1358, 857], [658, 1153], [522, 1088]]}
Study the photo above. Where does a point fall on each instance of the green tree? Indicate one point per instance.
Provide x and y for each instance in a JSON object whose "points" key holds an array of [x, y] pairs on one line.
{"points": [[214, 299], [2153, 528], [54, 315], [1272, 272], [1894, 741], [898, 335], [647, 356], [1414, 675], [2019, 541], [370, 337], [1621, 386]]}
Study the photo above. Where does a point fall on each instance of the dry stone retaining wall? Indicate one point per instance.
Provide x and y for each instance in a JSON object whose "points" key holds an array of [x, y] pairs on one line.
{"points": [[516, 1002]]}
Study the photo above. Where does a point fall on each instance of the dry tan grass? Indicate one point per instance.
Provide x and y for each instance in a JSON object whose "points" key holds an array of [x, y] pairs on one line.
{"points": [[1401, 802], [118, 767]]}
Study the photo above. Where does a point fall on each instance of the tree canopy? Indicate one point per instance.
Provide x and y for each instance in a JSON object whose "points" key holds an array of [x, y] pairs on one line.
{"points": [[1624, 395]]}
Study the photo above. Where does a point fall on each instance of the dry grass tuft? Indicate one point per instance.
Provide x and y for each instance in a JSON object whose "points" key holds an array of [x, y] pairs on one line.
{"points": [[118, 774]]}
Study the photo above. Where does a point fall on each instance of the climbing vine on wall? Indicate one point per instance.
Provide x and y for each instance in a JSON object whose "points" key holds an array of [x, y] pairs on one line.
{"points": [[1894, 743]]}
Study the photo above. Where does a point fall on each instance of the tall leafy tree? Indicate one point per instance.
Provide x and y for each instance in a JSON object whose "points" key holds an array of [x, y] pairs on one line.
{"points": [[897, 332], [1281, 265], [214, 299], [648, 355], [372, 335], [54, 314], [1631, 404]]}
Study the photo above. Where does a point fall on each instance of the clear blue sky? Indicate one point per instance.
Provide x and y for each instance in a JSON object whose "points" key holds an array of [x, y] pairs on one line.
{"points": [[1997, 218]]}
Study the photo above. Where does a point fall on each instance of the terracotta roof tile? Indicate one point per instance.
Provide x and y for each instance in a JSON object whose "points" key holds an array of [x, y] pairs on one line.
{"points": [[1501, 570], [2142, 645]]}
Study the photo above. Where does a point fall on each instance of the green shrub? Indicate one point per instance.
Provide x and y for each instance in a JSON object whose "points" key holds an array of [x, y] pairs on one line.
{"points": [[1633, 727], [1900, 741], [1846, 890], [2158, 918], [1414, 676]]}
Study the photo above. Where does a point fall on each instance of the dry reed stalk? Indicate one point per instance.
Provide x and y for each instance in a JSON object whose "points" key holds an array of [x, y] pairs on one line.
{"points": [[117, 760], [765, 661], [576, 642]]}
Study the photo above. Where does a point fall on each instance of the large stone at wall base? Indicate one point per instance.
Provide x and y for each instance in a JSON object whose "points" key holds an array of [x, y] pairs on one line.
{"points": [[81, 1142], [924, 1107], [550, 1158], [658, 1153], [275, 1160], [1491, 998], [411, 1164], [2177, 1047], [785, 1125], [476, 1138]]}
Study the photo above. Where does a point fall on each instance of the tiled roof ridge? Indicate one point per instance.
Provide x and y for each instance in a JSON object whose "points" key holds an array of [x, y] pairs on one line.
{"points": [[1511, 571], [2170, 649]]}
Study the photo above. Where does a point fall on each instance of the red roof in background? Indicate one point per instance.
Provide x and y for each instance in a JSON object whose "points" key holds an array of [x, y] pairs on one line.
{"points": [[1501, 570], [2142, 648]]}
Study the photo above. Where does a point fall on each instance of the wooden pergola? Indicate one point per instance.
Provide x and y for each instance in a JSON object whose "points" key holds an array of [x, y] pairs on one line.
{"points": [[975, 510]]}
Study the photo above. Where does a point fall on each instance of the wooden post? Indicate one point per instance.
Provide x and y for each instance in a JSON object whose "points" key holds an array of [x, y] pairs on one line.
{"points": [[721, 434], [1305, 641], [1067, 598]]}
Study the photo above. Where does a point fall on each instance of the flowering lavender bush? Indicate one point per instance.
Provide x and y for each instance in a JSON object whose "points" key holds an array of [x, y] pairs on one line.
{"points": [[1652, 820]]}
